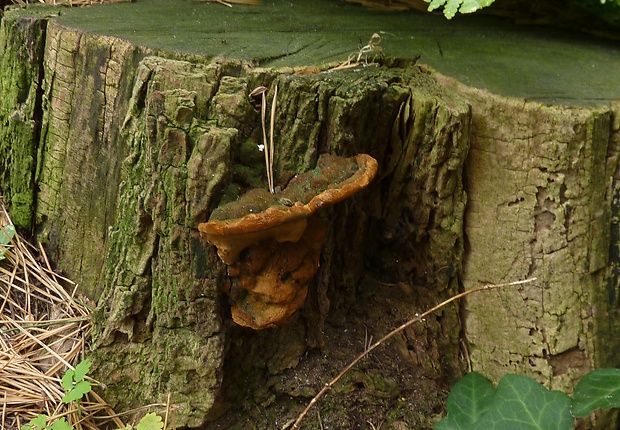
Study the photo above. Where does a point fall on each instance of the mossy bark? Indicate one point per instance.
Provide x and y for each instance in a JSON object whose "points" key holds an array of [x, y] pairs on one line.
{"points": [[21, 53], [86, 85]]}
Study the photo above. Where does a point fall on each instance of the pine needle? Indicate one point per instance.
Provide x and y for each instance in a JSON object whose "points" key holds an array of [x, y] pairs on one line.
{"points": [[43, 332]]}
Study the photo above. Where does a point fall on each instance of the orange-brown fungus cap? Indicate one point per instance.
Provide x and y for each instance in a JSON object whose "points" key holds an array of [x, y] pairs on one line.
{"points": [[259, 215]]}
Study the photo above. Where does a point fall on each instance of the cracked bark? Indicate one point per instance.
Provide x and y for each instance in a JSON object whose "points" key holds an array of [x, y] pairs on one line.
{"points": [[543, 175]]}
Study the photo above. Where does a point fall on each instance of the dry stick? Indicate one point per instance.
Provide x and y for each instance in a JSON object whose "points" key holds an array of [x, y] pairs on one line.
{"points": [[330, 384], [168, 400], [271, 148], [263, 114], [4, 409]]}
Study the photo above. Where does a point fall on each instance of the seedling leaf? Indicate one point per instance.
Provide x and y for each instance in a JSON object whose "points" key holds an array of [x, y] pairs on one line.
{"points": [[600, 388], [61, 424], [81, 370], [468, 401], [67, 380], [7, 233], [38, 423], [77, 392], [150, 421], [522, 403]]}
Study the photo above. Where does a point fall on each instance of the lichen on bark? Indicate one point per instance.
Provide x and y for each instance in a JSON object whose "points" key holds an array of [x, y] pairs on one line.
{"points": [[86, 85], [536, 179]]}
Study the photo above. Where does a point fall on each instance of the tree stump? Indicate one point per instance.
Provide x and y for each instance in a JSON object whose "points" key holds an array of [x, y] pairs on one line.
{"points": [[118, 144]]}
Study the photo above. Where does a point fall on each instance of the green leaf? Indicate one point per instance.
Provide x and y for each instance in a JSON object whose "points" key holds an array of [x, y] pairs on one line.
{"points": [[150, 421], [470, 6], [81, 370], [598, 389], [468, 401], [38, 423], [77, 392], [61, 424], [7, 233], [451, 7], [67, 380], [521, 403]]}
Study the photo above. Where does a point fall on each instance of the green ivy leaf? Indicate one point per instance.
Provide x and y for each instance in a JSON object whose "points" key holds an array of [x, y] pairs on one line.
{"points": [[61, 424], [600, 388], [468, 401], [521, 403], [81, 370], [77, 392], [7, 233], [150, 421]]}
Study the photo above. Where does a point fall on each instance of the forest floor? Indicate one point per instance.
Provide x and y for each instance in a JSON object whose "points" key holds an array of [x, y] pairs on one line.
{"points": [[395, 387]]}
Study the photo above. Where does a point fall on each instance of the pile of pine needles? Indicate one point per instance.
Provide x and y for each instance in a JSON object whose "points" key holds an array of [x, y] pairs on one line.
{"points": [[43, 332]]}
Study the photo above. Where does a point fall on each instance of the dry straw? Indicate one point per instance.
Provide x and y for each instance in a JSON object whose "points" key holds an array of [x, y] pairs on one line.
{"points": [[43, 331]]}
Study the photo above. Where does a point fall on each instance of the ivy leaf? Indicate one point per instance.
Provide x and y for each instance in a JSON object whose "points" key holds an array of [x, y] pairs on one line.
{"points": [[451, 7], [522, 403], [150, 421], [77, 392], [81, 370], [600, 388], [7, 233], [61, 424], [468, 401]]}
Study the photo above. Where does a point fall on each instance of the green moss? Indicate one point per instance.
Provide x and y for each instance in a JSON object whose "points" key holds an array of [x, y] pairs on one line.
{"points": [[21, 53]]}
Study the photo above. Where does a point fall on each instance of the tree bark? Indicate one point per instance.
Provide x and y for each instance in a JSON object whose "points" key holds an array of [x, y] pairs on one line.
{"points": [[114, 153]]}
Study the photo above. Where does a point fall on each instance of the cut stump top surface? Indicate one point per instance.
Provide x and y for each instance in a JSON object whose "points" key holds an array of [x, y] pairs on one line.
{"points": [[550, 65]]}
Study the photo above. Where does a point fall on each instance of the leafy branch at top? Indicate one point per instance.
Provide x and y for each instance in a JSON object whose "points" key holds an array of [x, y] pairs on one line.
{"points": [[451, 7]]}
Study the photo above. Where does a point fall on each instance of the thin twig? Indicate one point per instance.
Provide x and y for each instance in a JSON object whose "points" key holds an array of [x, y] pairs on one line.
{"points": [[417, 318], [263, 114], [271, 147], [168, 400]]}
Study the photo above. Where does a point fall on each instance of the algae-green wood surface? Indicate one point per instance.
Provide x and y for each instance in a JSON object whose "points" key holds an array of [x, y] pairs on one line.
{"points": [[487, 52]]}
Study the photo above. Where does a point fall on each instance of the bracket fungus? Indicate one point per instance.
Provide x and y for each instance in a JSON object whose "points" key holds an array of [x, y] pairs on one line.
{"points": [[272, 242]]}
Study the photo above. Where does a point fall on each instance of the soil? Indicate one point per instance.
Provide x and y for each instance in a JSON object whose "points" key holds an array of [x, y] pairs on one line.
{"points": [[389, 389]]}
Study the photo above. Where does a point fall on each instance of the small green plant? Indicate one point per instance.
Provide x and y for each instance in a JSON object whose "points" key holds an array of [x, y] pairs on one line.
{"points": [[519, 402], [75, 386], [7, 233], [40, 423]]}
